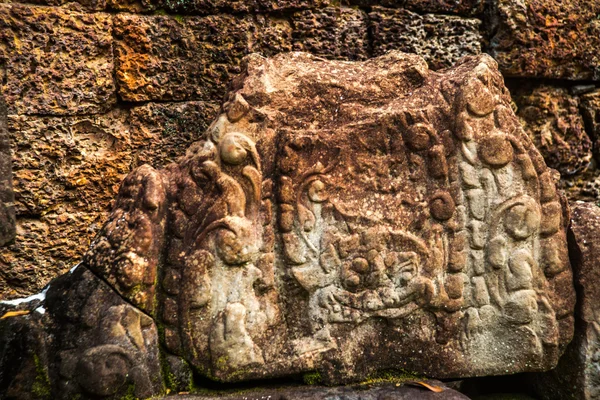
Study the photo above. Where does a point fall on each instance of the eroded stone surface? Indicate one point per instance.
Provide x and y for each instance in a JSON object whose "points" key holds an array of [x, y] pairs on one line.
{"points": [[348, 217], [578, 373], [372, 392], [461, 7], [546, 38], [442, 40], [332, 32], [196, 56], [590, 107], [381, 213], [56, 61], [68, 174], [550, 116], [83, 340], [7, 209]]}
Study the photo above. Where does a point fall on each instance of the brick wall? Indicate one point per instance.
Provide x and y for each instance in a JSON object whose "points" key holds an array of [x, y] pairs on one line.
{"points": [[97, 87]]}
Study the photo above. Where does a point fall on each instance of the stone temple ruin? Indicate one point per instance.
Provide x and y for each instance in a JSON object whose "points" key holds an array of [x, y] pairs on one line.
{"points": [[339, 217]]}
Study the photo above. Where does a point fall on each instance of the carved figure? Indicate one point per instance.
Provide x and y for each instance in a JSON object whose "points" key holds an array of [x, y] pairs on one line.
{"points": [[348, 217]]}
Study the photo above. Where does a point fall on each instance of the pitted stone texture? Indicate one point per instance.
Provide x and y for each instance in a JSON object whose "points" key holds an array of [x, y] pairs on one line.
{"points": [[56, 61], [240, 6], [164, 58], [577, 375], [460, 7], [68, 174], [442, 40], [590, 110], [348, 217], [336, 32], [551, 118], [7, 209], [547, 38], [83, 340]]}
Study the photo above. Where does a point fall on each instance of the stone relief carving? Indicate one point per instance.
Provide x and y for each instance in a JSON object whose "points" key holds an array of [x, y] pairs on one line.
{"points": [[349, 217], [276, 232]]}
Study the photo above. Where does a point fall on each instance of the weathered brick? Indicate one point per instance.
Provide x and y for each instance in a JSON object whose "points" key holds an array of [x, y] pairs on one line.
{"points": [[332, 32], [167, 58], [68, 171], [550, 116], [547, 38], [440, 39], [57, 62]]}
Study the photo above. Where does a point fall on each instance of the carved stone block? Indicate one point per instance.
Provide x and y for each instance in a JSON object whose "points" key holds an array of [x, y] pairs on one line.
{"points": [[349, 217], [7, 208], [335, 204]]}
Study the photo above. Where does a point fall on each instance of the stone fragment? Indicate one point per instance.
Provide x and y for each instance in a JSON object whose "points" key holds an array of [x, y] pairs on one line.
{"points": [[84, 341], [546, 38], [7, 209], [337, 32], [550, 116], [316, 226], [576, 376], [442, 40], [68, 173], [167, 58], [56, 61]]}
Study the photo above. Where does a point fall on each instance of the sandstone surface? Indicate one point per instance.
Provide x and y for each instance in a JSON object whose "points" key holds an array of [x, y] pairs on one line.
{"points": [[408, 391], [339, 217]]}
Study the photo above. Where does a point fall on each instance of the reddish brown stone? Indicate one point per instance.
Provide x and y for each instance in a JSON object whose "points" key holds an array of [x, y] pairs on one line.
{"points": [[167, 58], [547, 38], [332, 32], [461, 7], [56, 61], [389, 206], [550, 116], [442, 40], [345, 217], [68, 171]]}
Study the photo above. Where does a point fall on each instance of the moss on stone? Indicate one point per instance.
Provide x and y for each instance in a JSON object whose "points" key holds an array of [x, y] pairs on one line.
{"points": [[392, 376], [130, 393], [312, 378], [41, 384]]}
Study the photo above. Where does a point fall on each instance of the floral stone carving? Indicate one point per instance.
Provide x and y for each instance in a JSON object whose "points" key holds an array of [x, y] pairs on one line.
{"points": [[348, 217]]}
